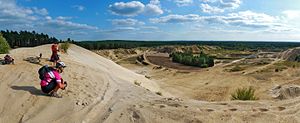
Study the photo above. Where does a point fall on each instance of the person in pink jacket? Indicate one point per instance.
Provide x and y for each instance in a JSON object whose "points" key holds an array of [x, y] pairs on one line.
{"points": [[53, 81]]}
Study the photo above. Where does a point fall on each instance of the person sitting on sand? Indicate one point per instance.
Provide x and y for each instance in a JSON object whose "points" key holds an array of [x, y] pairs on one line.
{"points": [[52, 80], [8, 59], [54, 57]]}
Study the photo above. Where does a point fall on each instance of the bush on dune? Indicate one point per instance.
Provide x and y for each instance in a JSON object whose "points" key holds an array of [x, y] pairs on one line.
{"points": [[244, 94], [202, 60], [65, 46], [4, 46]]}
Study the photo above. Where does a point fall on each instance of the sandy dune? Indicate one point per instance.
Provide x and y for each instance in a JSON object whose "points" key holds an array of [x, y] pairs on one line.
{"points": [[102, 91]]}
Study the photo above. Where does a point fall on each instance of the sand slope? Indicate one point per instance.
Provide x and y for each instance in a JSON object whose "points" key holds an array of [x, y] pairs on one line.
{"points": [[102, 91]]}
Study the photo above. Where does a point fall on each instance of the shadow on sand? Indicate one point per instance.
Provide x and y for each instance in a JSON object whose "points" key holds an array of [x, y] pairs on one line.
{"points": [[33, 60], [30, 89]]}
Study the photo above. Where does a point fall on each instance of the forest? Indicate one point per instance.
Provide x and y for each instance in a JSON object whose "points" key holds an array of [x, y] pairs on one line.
{"points": [[27, 39]]}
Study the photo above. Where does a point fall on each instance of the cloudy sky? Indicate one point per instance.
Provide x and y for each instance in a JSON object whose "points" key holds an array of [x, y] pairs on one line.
{"points": [[237, 20]]}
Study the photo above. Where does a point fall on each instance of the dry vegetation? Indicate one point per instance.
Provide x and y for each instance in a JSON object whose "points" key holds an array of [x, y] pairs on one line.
{"points": [[232, 69]]}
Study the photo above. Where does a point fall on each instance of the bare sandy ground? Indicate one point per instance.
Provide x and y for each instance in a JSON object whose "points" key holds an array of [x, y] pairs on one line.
{"points": [[101, 91]]}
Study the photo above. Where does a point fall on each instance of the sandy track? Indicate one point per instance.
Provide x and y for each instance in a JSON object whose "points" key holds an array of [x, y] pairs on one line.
{"points": [[102, 91]]}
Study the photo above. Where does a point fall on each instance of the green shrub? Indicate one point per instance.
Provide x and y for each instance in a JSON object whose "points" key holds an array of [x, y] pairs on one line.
{"points": [[4, 46], [244, 94], [201, 60], [65, 46]]}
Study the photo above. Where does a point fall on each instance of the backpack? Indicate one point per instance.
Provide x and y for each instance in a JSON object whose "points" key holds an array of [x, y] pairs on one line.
{"points": [[43, 70]]}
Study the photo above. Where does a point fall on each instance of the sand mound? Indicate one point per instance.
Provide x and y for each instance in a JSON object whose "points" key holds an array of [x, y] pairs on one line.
{"points": [[290, 54], [286, 92], [101, 91], [117, 54]]}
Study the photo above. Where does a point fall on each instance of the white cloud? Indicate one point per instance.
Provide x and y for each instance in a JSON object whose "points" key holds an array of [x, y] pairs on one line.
{"points": [[208, 1], [79, 7], [152, 9], [48, 18], [135, 8], [214, 6], [231, 4], [15, 17], [63, 18], [126, 22], [244, 19], [292, 14], [121, 29], [11, 12], [211, 9], [183, 2], [132, 8], [154, 2], [149, 28], [176, 18], [42, 11]]}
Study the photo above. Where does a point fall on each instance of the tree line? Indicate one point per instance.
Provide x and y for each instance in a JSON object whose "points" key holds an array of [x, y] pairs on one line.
{"points": [[26, 38], [202, 60], [229, 45]]}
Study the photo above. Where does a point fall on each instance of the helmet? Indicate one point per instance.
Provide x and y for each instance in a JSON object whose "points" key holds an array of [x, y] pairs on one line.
{"points": [[60, 64]]}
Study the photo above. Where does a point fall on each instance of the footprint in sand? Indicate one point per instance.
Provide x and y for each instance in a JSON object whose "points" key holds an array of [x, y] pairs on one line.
{"points": [[223, 103], [210, 110], [162, 106], [233, 109], [280, 108], [263, 109]]}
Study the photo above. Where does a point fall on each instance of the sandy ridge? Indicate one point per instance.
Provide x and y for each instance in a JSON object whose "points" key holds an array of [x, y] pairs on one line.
{"points": [[102, 91]]}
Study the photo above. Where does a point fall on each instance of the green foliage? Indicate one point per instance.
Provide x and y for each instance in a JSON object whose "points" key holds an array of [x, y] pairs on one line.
{"points": [[244, 94], [201, 60], [65, 46], [4, 46], [26, 38]]}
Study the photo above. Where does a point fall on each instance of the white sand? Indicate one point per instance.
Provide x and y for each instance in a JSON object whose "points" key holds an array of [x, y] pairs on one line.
{"points": [[102, 91]]}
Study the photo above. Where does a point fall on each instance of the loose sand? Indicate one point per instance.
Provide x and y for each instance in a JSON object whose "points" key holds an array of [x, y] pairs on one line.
{"points": [[101, 91]]}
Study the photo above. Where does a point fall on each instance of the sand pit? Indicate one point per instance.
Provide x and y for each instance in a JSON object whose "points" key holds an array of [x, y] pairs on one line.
{"points": [[165, 61], [101, 91]]}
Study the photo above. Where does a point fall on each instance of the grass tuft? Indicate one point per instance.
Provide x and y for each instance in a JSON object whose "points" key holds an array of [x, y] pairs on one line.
{"points": [[244, 94]]}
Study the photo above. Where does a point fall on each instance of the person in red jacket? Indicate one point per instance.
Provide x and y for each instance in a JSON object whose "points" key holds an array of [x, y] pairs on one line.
{"points": [[54, 57]]}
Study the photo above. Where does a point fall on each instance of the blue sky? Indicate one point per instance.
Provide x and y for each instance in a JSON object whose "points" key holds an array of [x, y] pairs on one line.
{"points": [[230, 20]]}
